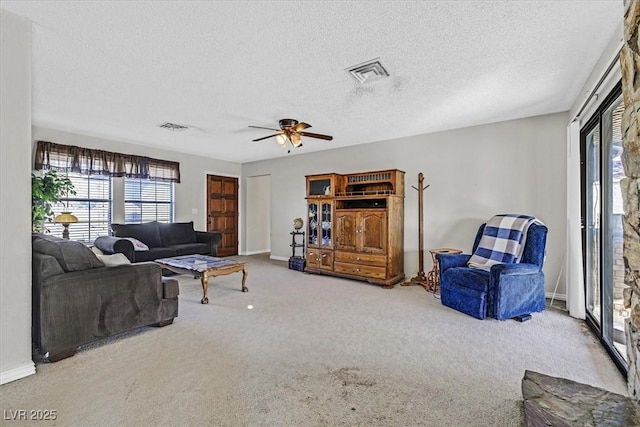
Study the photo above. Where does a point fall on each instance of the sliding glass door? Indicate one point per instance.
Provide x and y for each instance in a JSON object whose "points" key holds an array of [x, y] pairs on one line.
{"points": [[602, 210], [592, 219]]}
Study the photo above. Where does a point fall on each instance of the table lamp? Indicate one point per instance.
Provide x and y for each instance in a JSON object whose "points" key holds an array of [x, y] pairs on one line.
{"points": [[65, 218]]}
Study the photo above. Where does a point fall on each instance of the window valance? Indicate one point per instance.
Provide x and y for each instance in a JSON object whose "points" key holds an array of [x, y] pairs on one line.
{"points": [[68, 158]]}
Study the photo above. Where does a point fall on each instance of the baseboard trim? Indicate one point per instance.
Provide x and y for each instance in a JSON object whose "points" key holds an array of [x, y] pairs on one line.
{"points": [[262, 251], [278, 258], [17, 373], [558, 297]]}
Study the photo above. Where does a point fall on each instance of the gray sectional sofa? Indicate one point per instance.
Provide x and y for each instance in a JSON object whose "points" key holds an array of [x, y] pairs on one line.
{"points": [[159, 240], [77, 300]]}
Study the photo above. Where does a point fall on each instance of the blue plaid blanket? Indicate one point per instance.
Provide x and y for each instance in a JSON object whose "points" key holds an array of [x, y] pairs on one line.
{"points": [[502, 241]]}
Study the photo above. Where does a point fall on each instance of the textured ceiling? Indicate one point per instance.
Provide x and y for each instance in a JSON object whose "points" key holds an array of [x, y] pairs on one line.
{"points": [[119, 69]]}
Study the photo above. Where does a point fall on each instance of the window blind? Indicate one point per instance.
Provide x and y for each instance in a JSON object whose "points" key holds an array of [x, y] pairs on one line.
{"points": [[148, 200], [91, 205]]}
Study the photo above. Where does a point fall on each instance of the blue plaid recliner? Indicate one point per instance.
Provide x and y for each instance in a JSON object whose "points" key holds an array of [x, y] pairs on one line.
{"points": [[504, 291]]}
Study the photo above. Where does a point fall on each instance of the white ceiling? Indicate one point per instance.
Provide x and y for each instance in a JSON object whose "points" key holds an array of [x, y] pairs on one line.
{"points": [[119, 69]]}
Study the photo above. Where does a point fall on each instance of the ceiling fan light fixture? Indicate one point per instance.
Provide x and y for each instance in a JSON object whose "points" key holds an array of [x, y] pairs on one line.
{"points": [[281, 140], [296, 140]]}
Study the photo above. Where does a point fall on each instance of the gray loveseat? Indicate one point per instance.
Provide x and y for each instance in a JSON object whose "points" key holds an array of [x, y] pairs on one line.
{"points": [[77, 300], [161, 240]]}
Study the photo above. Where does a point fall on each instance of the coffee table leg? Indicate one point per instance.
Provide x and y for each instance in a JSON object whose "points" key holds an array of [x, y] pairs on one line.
{"points": [[205, 284], [245, 273]]}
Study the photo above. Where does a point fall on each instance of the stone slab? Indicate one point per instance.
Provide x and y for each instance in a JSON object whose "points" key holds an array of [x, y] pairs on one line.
{"points": [[553, 401]]}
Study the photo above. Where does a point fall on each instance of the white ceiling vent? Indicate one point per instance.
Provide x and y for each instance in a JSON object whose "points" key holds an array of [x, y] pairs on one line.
{"points": [[173, 126], [368, 71]]}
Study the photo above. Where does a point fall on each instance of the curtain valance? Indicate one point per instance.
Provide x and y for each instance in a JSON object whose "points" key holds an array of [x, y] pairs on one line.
{"points": [[69, 158]]}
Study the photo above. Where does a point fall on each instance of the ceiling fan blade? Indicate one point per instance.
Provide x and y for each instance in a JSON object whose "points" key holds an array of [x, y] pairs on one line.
{"points": [[316, 135], [266, 137], [262, 127], [301, 126]]}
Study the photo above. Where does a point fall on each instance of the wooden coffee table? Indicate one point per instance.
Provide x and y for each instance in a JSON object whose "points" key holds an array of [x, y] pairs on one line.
{"points": [[205, 267]]}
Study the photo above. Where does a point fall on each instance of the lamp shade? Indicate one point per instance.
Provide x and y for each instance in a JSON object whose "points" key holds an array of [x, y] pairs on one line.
{"points": [[281, 140], [296, 140], [65, 218]]}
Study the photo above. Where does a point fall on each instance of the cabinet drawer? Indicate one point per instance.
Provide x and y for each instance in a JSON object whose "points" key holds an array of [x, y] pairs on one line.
{"points": [[360, 258], [360, 270]]}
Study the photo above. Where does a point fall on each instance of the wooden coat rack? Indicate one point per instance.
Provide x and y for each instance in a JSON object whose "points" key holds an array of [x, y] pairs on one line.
{"points": [[421, 277]]}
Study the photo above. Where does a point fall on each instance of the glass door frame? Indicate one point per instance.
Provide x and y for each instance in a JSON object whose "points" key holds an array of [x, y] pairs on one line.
{"points": [[602, 326]]}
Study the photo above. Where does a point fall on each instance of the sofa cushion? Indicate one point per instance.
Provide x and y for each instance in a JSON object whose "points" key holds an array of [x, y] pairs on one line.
{"points": [[154, 253], [148, 233], [71, 255], [467, 277], [177, 233], [192, 248]]}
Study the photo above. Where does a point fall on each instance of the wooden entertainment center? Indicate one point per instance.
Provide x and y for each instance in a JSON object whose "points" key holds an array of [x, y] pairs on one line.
{"points": [[355, 226]]}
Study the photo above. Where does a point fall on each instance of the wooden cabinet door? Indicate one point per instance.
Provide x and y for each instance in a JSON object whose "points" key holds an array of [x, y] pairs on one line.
{"points": [[326, 260], [346, 235], [325, 227], [222, 212], [373, 235], [362, 231], [313, 257], [314, 224], [318, 258]]}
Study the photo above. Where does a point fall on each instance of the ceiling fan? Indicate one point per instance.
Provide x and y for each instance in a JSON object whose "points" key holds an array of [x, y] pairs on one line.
{"points": [[291, 131]]}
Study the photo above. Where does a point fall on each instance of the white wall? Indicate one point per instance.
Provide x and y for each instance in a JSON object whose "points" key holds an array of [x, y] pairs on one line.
{"points": [[15, 203], [258, 217], [517, 166], [189, 193], [610, 54]]}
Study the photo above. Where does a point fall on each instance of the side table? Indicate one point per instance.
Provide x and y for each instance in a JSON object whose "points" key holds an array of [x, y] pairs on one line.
{"points": [[433, 277]]}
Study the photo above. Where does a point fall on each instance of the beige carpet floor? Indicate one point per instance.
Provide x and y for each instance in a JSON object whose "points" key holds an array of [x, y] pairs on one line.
{"points": [[313, 351]]}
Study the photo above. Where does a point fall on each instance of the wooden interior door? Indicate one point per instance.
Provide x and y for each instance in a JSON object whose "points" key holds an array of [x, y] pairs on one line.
{"points": [[222, 212]]}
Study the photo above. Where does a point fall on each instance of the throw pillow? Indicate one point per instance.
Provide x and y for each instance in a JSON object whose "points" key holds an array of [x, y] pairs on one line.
{"points": [[114, 260], [137, 244], [96, 251]]}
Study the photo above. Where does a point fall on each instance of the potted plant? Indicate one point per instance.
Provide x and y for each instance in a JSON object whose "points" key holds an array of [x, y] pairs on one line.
{"points": [[46, 190]]}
